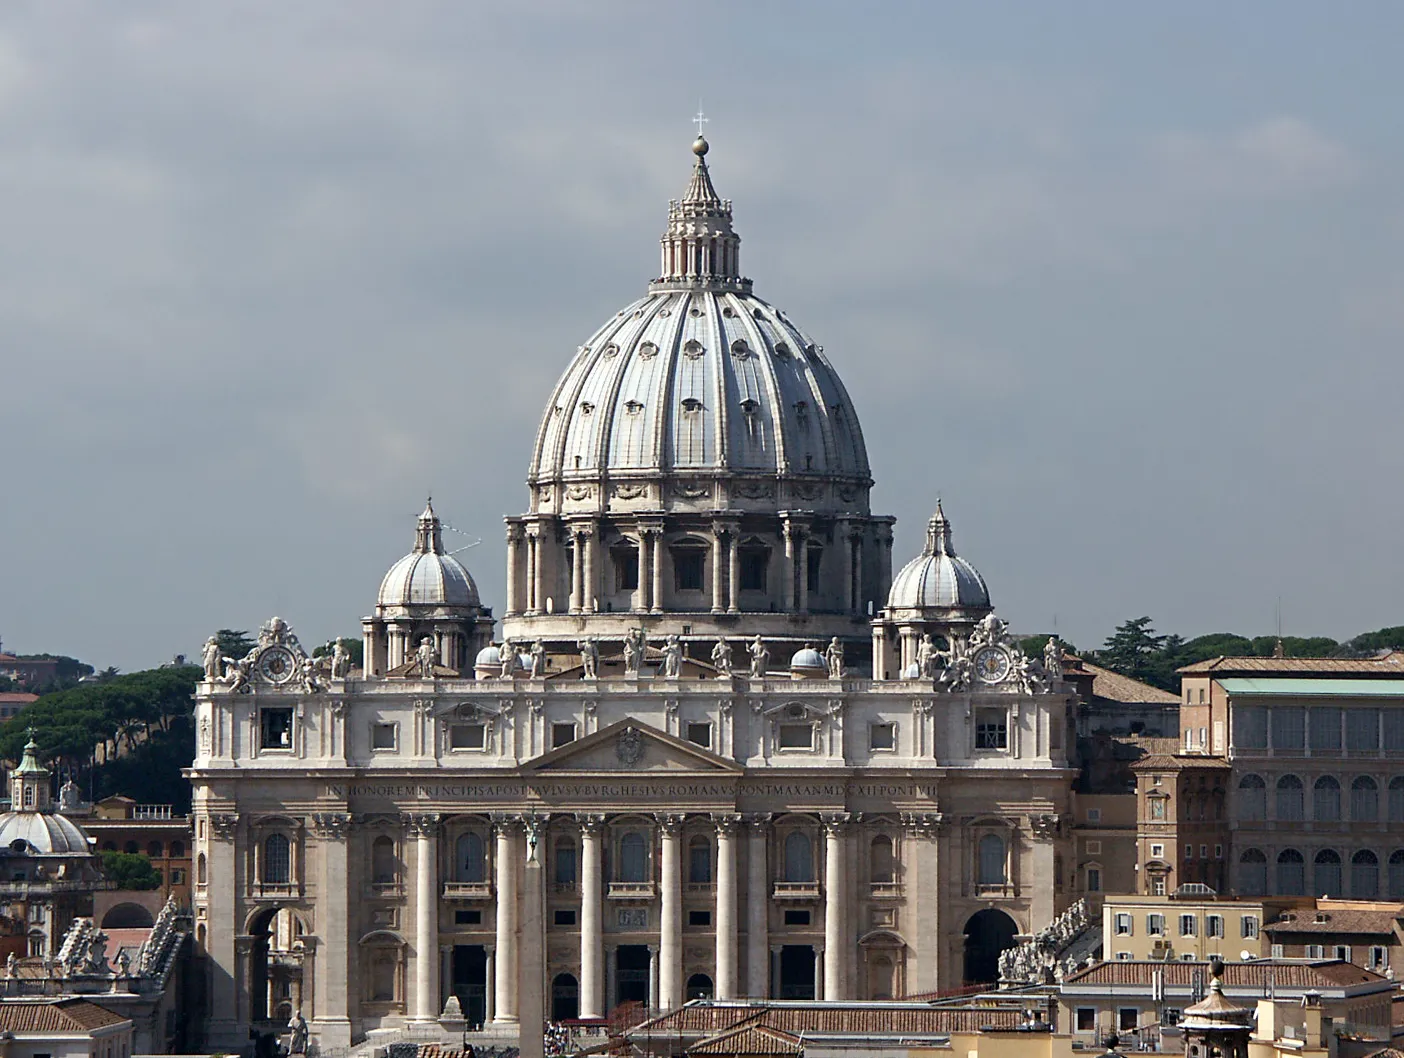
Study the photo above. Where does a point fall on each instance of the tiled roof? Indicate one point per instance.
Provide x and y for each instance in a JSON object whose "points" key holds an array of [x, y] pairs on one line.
{"points": [[1174, 762], [1386, 1052], [1387, 666], [1343, 921], [749, 1039], [17, 698], [64, 1015], [1283, 974], [838, 1019], [1115, 687]]}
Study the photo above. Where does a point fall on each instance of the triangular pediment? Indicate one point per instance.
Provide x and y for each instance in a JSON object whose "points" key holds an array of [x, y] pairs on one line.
{"points": [[632, 746]]}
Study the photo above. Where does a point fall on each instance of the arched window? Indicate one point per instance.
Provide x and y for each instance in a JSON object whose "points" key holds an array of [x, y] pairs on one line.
{"points": [[1326, 800], [880, 859], [1252, 873], [468, 858], [1396, 799], [1252, 797], [880, 978], [633, 857], [200, 870], [799, 857], [1396, 875], [177, 849], [1289, 798], [1291, 873], [565, 998], [153, 849], [1365, 875], [699, 986], [1326, 874], [991, 866], [1364, 800], [699, 861], [565, 862], [383, 861], [131, 848], [277, 860]]}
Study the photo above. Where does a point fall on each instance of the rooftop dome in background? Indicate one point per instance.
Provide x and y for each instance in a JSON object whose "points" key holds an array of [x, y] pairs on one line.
{"points": [[938, 578], [32, 828], [701, 379], [427, 577]]}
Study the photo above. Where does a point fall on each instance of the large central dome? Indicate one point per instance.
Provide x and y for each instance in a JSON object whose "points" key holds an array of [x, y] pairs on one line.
{"points": [[705, 385], [698, 462]]}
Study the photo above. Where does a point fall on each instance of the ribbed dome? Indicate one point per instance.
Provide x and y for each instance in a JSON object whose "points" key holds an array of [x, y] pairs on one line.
{"points": [[427, 576], [808, 659], [701, 379], [42, 834], [938, 578]]}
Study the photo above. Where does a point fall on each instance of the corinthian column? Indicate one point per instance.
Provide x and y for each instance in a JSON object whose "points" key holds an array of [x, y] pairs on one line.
{"points": [[725, 985], [835, 899], [577, 572], [514, 573], [718, 561], [591, 933], [592, 589], [656, 593], [670, 928], [505, 971], [426, 917], [757, 909]]}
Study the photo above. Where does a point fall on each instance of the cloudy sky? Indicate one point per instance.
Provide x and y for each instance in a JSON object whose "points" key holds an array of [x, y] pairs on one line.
{"points": [[1123, 284]]}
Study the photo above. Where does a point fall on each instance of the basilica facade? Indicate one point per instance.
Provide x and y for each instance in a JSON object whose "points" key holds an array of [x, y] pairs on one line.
{"points": [[746, 759]]}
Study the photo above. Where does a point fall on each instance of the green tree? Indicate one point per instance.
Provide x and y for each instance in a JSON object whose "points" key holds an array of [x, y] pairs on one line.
{"points": [[130, 870], [234, 644], [1133, 649], [1373, 642]]}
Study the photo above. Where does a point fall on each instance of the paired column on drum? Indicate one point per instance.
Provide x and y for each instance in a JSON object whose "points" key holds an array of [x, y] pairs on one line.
{"points": [[835, 901], [424, 828], [582, 567], [591, 926], [724, 987], [670, 980], [514, 570], [508, 952]]}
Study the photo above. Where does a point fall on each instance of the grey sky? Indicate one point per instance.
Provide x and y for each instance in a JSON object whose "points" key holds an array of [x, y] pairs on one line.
{"points": [[1122, 283]]}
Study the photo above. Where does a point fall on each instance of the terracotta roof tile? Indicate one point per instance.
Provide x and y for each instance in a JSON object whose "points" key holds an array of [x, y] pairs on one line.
{"points": [[1349, 920], [1285, 974], [1115, 687], [64, 1015], [1391, 665], [842, 1019], [749, 1039]]}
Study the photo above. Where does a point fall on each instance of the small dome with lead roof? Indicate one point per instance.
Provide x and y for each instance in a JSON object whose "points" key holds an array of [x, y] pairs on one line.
{"points": [[938, 578]]}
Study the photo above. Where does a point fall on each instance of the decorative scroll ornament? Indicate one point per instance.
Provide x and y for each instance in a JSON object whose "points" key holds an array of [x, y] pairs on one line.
{"points": [[990, 659], [626, 491]]}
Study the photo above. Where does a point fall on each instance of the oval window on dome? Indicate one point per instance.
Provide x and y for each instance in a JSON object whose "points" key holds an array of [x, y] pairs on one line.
{"points": [[611, 351], [648, 351], [728, 311], [694, 311], [691, 404], [633, 407], [586, 407], [665, 312], [693, 349], [740, 349], [782, 350], [749, 406]]}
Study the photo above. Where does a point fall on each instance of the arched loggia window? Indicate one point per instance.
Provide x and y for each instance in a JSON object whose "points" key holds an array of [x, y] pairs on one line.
{"points": [[799, 857]]}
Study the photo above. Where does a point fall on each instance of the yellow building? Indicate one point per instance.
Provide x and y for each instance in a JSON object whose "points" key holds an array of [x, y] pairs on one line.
{"points": [[1191, 924]]}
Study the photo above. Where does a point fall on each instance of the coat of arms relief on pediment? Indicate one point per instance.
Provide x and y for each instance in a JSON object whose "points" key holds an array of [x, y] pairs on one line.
{"points": [[635, 747]]}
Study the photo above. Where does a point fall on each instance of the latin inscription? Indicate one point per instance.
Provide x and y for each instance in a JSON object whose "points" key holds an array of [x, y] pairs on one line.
{"points": [[661, 791]]}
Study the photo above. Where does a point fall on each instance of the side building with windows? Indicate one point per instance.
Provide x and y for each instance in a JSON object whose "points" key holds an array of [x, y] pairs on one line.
{"points": [[750, 761]]}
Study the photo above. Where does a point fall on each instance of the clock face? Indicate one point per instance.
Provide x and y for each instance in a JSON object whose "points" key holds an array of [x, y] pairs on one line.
{"points": [[992, 664], [277, 665]]}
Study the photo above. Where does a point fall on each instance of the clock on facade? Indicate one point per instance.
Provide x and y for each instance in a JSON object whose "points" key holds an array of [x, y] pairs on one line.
{"points": [[992, 664], [277, 664]]}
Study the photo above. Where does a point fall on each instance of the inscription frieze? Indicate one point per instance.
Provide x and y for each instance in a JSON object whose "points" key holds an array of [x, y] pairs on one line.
{"points": [[632, 788]]}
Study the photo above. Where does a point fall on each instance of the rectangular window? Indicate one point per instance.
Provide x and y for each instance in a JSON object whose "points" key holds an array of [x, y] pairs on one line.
{"points": [[687, 568], [1157, 808], [1248, 927], [1187, 926], [796, 918], [1324, 723], [275, 729], [1315, 951], [1250, 726], [468, 736], [753, 565], [565, 917], [1342, 952], [700, 733], [1155, 925], [1276, 950], [626, 568], [1125, 956], [384, 736], [1094, 848], [796, 736], [1086, 1019], [882, 736], [1123, 925], [1158, 885], [1094, 815], [1218, 852], [1189, 852], [1214, 926], [1126, 1018], [1094, 879], [699, 918], [1171, 1016], [1204, 852], [992, 729], [1362, 730], [177, 876], [562, 735], [1288, 727], [1394, 730], [1379, 957], [1157, 851], [467, 918]]}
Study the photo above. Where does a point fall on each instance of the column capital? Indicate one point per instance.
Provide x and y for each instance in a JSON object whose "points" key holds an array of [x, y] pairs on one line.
{"points": [[670, 823], [581, 527], [650, 528], [758, 822], [590, 823], [727, 823], [835, 823], [420, 824], [333, 826], [505, 824], [923, 824], [223, 825], [1046, 827]]}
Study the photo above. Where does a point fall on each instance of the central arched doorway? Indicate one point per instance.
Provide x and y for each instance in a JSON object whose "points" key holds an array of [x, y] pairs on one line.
{"points": [[988, 933], [275, 964]]}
